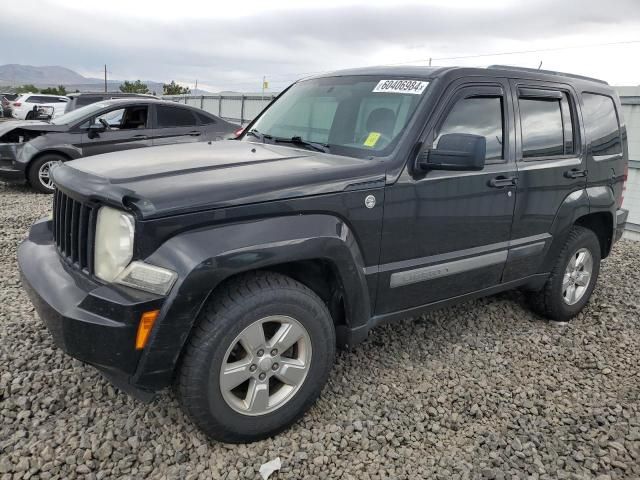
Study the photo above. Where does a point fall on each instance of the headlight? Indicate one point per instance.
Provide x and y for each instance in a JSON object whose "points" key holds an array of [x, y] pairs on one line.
{"points": [[114, 243]]}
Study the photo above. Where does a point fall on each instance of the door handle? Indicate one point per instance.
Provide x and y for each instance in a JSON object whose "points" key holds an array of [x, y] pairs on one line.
{"points": [[501, 181], [195, 133], [575, 173], [140, 137]]}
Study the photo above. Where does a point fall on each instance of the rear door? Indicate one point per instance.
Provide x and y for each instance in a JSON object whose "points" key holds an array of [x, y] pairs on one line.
{"points": [[551, 166], [175, 124], [129, 127]]}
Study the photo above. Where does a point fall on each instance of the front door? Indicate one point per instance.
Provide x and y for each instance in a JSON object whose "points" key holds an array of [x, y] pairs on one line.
{"points": [[446, 233], [124, 128]]}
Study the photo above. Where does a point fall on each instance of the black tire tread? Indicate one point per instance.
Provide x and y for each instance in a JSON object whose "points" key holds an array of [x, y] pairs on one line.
{"points": [[34, 165], [542, 301], [208, 326]]}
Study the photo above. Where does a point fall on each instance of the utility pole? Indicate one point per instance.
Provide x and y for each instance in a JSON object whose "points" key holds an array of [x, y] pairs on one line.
{"points": [[105, 78], [196, 87], [429, 61]]}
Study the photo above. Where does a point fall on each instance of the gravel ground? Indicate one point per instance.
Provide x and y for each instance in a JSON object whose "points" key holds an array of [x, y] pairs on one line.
{"points": [[481, 390]]}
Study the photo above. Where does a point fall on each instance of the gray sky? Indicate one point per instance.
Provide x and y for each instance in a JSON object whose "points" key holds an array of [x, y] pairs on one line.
{"points": [[232, 45]]}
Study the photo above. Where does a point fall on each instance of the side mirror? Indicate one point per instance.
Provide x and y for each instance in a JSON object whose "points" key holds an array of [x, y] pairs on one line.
{"points": [[455, 151], [96, 128]]}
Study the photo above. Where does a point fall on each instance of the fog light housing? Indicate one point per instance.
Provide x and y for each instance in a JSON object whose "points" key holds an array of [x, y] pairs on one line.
{"points": [[148, 277]]}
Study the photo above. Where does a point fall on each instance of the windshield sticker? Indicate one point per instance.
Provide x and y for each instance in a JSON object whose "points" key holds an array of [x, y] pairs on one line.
{"points": [[414, 87], [372, 139]]}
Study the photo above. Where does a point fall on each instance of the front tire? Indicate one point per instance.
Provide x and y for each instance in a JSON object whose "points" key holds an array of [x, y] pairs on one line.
{"points": [[572, 279], [39, 174], [257, 359]]}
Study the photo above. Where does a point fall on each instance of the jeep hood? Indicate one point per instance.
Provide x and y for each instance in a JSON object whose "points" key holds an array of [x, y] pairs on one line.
{"points": [[176, 179]]}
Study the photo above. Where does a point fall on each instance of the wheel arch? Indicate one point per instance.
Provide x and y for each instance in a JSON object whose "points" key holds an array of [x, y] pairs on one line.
{"points": [[42, 153], [318, 250], [589, 208]]}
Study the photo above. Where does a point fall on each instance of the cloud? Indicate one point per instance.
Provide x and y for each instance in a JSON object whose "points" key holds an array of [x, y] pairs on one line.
{"points": [[235, 51]]}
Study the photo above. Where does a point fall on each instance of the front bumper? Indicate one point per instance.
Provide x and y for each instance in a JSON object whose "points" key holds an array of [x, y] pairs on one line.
{"points": [[8, 168], [621, 222], [92, 322]]}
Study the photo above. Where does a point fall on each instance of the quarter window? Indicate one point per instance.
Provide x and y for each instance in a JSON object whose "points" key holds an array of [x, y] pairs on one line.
{"points": [[479, 116], [174, 117], [601, 123]]}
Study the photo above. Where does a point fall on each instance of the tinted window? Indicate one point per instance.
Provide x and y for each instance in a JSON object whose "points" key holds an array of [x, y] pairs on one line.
{"points": [[83, 100], [42, 99], [601, 124], [542, 127], [478, 116], [204, 119], [174, 117]]}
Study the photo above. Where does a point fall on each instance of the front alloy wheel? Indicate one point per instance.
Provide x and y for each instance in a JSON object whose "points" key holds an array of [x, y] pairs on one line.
{"points": [[265, 365], [257, 359], [39, 172], [44, 174]]}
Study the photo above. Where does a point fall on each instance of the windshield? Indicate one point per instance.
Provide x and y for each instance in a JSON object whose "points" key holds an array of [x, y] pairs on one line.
{"points": [[360, 116], [78, 114]]}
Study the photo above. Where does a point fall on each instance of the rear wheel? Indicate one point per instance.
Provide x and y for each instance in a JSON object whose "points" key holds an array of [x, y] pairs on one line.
{"points": [[573, 278], [29, 116], [258, 358], [39, 175]]}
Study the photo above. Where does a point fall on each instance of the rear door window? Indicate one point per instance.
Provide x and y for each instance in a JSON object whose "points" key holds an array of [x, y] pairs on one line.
{"points": [[174, 117], [601, 124], [546, 124]]}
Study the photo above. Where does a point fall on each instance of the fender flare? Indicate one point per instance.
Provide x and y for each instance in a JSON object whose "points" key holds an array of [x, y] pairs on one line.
{"points": [[576, 205], [204, 258]]}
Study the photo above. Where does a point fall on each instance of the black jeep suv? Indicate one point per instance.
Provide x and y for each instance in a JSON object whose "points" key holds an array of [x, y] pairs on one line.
{"points": [[233, 269]]}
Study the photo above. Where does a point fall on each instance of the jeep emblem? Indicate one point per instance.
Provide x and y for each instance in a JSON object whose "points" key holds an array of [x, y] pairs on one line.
{"points": [[370, 201]]}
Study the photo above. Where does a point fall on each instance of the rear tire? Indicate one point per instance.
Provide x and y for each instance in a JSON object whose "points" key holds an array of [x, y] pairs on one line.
{"points": [[29, 116], [572, 279], [261, 405], [39, 175]]}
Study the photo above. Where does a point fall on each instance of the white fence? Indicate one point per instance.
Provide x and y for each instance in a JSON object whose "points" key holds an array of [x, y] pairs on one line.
{"points": [[630, 99], [240, 109]]}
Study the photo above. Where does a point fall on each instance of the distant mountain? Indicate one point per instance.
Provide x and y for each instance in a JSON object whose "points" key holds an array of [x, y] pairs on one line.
{"points": [[12, 75]]}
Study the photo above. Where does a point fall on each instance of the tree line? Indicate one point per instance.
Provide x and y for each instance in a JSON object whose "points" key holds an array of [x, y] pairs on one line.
{"points": [[172, 88]]}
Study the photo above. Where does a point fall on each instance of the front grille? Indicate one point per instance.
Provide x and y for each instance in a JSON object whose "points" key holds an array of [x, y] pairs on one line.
{"points": [[73, 230]]}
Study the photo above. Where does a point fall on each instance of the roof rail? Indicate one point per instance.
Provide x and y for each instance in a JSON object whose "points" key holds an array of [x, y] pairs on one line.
{"points": [[548, 72]]}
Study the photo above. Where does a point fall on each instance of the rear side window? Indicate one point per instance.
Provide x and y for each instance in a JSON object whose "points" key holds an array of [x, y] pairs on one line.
{"points": [[479, 116], [41, 99], [174, 117], [601, 123], [547, 126]]}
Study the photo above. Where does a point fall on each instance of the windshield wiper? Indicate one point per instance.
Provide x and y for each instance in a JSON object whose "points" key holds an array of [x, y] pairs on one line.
{"points": [[297, 140], [255, 133]]}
